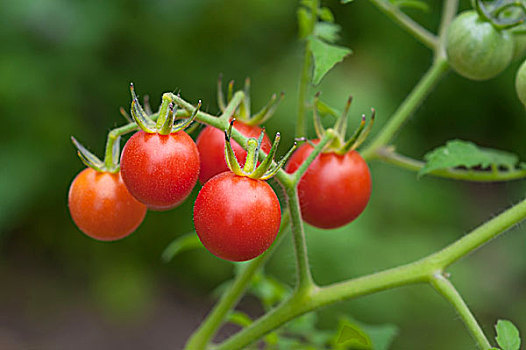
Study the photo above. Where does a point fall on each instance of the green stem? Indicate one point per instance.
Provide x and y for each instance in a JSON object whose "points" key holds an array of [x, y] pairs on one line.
{"points": [[421, 271], [229, 299], [293, 307], [406, 109], [305, 79], [480, 235], [443, 286], [407, 23], [327, 137], [306, 74], [304, 279], [388, 155]]}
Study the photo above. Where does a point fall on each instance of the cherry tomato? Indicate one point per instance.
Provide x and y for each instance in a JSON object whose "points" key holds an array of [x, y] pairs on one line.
{"points": [[236, 218], [335, 189], [211, 145], [160, 170], [102, 207], [476, 49], [520, 83]]}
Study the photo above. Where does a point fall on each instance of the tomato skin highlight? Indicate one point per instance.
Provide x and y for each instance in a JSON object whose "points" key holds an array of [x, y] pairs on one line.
{"points": [[101, 206], [236, 218], [211, 145], [334, 190], [160, 170]]}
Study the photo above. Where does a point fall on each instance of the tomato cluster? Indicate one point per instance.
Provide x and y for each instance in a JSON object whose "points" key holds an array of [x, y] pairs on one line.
{"points": [[237, 215]]}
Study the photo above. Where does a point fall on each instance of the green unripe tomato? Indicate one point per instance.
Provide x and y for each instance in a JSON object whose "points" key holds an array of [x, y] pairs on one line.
{"points": [[520, 83], [476, 49]]}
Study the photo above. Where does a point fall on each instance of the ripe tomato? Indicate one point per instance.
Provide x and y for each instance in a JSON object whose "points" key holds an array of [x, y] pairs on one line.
{"points": [[160, 170], [236, 217], [476, 49], [211, 145], [102, 207], [334, 190]]}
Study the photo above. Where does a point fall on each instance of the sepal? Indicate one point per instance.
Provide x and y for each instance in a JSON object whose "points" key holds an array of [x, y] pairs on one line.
{"points": [[88, 158]]}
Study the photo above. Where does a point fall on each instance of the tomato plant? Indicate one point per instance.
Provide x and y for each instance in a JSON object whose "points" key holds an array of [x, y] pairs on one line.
{"points": [[236, 217], [476, 49], [102, 207], [334, 190], [327, 183], [160, 170], [211, 145]]}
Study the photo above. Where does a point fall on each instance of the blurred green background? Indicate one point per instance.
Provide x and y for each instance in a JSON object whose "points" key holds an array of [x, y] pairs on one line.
{"points": [[65, 67]]}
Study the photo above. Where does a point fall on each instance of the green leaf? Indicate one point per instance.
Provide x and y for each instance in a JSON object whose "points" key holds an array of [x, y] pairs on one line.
{"points": [[353, 336], [180, 244], [379, 337], [507, 335], [327, 31], [325, 57], [346, 1], [463, 153]]}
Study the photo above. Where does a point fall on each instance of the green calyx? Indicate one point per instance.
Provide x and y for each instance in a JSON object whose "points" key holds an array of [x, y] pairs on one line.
{"points": [[161, 122], [243, 112], [339, 145], [166, 116], [266, 169], [502, 14]]}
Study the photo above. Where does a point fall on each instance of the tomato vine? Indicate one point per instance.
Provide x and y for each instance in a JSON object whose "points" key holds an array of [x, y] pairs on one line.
{"points": [[307, 295]]}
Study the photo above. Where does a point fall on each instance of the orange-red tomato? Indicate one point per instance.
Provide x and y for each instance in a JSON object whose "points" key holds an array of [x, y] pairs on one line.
{"points": [[211, 145], [335, 189], [236, 218], [102, 207]]}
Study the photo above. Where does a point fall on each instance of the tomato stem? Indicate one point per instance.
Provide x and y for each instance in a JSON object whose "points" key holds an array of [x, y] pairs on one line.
{"points": [[418, 272], [208, 328], [304, 278], [252, 156], [407, 23], [444, 287], [422, 89], [166, 116], [328, 137]]}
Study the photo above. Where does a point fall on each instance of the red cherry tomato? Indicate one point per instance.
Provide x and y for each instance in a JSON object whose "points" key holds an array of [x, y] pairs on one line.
{"points": [[102, 207], [236, 217], [211, 145], [160, 170], [334, 190]]}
